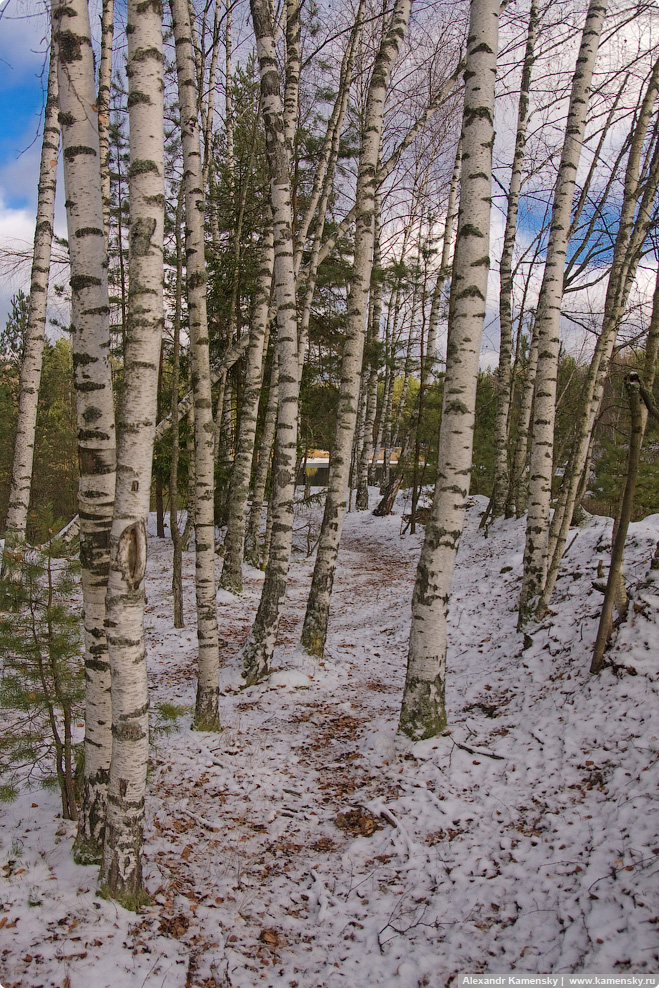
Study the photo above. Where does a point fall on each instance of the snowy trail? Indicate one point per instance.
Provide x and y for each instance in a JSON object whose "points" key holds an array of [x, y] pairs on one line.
{"points": [[307, 845]]}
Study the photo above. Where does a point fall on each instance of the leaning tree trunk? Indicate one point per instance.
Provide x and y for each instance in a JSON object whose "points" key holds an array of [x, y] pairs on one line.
{"points": [[94, 404], [497, 503], [258, 650], [325, 168], [322, 190], [616, 594], [234, 542], [423, 710], [121, 870], [314, 631], [639, 193], [21, 477], [262, 468], [208, 684], [549, 318]]}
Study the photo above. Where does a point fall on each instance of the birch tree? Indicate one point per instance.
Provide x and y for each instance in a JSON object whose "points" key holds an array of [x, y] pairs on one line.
{"points": [[314, 631], [497, 503], [93, 383], [423, 709], [259, 647], [239, 486], [206, 709], [121, 870], [371, 371], [549, 317], [103, 105], [251, 550], [21, 478]]}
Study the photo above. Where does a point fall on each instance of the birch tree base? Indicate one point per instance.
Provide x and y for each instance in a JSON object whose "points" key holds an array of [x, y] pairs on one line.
{"points": [[256, 662], [88, 846], [423, 712], [206, 714]]}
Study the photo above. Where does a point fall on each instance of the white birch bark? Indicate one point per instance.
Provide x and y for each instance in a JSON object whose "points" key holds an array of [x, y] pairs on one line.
{"points": [[234, 542], [517, 490], [292, 82], [262, 467], [423, 710], [371, 379], [90, 315], [504, 372], [103, 104], [228, 92], [206, 707], [121, 870], [258, 650], [177, 553], [21, 477], [549, 317], [314, 631], [444, 268], [229, 358]]}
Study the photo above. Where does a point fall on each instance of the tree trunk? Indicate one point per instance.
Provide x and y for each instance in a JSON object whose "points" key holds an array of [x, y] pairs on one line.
{"points": [[121, 871], [504, 374], [208, 686], [94, 403], [444, 267], [258, 650], [21, 478], [262, 468], [615, 584], [366, 455], [103, 104], [234, 542], [518, 488], [548, 320], [177, 561], [230, 357], [324, 173], [314, 631], [423, 711], [616, 595]]}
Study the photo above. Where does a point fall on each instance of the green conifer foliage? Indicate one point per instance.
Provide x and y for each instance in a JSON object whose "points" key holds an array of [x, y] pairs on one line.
{"points": [[41, 684]]}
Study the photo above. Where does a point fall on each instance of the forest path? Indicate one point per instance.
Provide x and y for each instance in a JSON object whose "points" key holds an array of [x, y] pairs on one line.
{"points": [[291, 775], [324, 846]]}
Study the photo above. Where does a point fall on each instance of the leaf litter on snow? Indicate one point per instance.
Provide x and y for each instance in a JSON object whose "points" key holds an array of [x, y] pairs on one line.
{"points": [[308, 845]]}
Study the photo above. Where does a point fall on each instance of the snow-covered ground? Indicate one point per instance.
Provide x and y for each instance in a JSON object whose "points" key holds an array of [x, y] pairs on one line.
{"points": [[308, 845]]}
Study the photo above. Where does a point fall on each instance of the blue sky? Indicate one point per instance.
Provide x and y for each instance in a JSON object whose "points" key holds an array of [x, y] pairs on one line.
{"points": [[23, 31], [22, 59]]}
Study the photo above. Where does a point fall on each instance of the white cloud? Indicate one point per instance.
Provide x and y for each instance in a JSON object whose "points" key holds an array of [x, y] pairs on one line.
{"points": [[16, 236], [16, 242]]}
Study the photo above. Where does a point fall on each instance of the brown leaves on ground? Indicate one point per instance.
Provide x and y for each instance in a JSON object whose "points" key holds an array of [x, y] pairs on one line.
{"points": [[358, 822], [174, 926], [271, 938]]}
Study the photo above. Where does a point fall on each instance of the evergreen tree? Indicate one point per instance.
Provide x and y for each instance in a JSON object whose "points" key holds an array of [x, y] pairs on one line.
{"points": [[42, 688]]}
